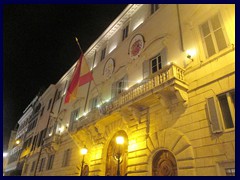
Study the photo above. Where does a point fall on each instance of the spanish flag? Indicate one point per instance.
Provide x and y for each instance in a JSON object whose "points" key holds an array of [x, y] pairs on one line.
{"points": [[81, 76]]}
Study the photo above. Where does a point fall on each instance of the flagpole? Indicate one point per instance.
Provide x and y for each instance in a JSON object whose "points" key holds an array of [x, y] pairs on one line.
{"points": [[85, 105], [78, 44]]}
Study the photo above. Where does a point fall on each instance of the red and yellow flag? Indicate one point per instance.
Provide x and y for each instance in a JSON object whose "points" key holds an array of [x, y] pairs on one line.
{"points": [[81, 76]]}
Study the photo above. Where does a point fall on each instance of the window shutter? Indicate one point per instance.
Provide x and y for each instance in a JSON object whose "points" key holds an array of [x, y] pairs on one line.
{"points": [[145, 69], [125, 80], [64, 159], [114, 90], [213, 115], [90, 105]]}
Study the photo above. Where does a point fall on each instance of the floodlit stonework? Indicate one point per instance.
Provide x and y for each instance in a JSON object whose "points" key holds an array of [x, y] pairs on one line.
{"points": [[169, 92]]}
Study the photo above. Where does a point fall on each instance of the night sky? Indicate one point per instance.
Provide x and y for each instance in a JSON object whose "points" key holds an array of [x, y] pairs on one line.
{"points": [[39, 47]]}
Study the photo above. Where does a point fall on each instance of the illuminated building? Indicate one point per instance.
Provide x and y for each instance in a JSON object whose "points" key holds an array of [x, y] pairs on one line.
{"points": [[164, 80]]}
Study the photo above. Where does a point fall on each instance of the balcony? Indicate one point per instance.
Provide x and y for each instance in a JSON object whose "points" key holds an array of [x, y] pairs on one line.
{"points": [[51, 143], [167, 82], [167, 86]]}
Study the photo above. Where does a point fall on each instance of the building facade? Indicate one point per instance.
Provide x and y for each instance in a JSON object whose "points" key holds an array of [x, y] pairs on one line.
{"points": [[164, 80]]}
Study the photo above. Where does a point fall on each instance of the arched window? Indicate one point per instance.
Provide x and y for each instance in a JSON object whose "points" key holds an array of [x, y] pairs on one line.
{"points": [[164, 164]]}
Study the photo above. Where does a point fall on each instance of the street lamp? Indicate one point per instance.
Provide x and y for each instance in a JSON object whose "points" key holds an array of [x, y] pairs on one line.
{"points": [[120, 141], [83, 151], [17, 142]]}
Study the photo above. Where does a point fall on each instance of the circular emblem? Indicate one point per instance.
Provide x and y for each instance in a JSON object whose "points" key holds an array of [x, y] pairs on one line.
{"points": [[136, 46], [108, 68]]}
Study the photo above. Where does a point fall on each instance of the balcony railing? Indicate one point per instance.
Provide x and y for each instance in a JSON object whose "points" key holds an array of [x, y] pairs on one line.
{"points": [[152, 84], [168, 76]]}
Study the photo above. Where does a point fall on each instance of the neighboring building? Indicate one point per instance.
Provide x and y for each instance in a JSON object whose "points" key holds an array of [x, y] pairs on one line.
{"points": [[164, 79], [9, 167], [33, 161], [17, 141]]}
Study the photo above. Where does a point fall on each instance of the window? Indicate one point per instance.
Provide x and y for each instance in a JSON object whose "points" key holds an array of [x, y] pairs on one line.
{"points": [[93, 103], [103, 53], [42, 111], [58, 96], [125, 32], [42, 164], [49, 104], [154, 8], [25, 168], [66, 157], [33, 166], [50, 162], [227, 106], [121, 84], [41, 136], [73, 118], [156, 64], [221, 111], [34, 142], [213, 36]]}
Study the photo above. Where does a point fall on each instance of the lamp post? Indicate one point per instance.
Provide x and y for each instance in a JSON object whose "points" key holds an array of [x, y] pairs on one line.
{"points": [[83, 151], [120, 141]]}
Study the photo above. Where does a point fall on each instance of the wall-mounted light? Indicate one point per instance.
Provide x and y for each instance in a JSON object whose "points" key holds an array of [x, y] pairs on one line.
{"points": [[61, 129], [99, 105], [191, 53], [107, 100], [5, 154]]}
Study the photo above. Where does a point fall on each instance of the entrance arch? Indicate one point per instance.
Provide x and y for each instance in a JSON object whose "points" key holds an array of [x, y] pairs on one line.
{"points": [[178, 145], [164, 164], [111, 158]]}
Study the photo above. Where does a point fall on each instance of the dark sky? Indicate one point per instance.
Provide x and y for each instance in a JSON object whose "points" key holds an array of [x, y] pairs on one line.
{"points": [[39, 47]]}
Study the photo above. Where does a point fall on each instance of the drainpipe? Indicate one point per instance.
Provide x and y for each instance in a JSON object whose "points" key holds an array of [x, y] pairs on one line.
{"points": [[180, 28]]}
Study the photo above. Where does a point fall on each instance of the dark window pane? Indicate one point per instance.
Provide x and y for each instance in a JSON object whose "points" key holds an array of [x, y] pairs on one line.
{"points": [[154, 69], [228, 122], [221, 42], [159, 63], [154, 62], [205, 29], [232, 94], [215, 22], [210, 46]]}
